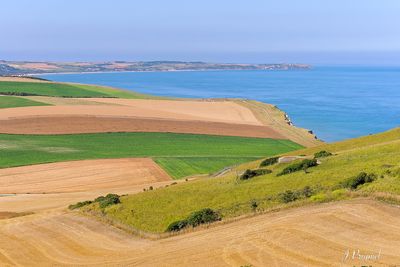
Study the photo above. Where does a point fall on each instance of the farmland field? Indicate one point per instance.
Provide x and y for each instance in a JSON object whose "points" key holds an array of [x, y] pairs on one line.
{"points": [[179, 167], [197, 152], [13, 102], [63, 90]]}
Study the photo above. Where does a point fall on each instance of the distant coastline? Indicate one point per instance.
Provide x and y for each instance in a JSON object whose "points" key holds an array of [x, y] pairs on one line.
{"points": [[24, 68], [134, 71]]}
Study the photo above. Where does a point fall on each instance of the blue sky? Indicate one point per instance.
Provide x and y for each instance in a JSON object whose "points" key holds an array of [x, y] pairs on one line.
{"points": [[309, 31]]}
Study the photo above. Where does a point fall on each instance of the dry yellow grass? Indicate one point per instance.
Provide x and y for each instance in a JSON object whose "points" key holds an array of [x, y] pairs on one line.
{"points": [[308, 236]]}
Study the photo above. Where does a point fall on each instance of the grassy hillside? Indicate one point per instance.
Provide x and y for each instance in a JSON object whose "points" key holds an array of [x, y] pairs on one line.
{"points": [[64, 90], [378, 156], [355, 143], [13, 102], [179, 154]]}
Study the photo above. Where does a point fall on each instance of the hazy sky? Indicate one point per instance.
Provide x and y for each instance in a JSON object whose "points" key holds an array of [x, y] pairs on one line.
{"points": [[309, 31]]}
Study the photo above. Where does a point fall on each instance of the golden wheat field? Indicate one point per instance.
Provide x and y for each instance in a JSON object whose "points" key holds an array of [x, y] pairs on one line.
{"points": [[308, 236]]}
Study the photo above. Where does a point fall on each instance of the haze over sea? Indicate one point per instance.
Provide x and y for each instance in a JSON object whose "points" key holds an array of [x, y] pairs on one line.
{"points": [[335, 102]]}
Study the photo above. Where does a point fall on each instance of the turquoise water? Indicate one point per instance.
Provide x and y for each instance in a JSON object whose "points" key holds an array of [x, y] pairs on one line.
{"points": [[335, 102]]}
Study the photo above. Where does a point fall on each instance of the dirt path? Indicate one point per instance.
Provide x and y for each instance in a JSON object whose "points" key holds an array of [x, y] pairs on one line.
{"points": [[310, 236]]}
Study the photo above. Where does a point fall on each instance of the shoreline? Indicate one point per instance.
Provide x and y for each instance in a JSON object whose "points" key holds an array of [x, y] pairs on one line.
{"points": [[151, 71]]}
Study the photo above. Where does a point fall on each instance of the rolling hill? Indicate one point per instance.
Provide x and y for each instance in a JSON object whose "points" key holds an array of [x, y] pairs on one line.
{"points": [[377, 156]]}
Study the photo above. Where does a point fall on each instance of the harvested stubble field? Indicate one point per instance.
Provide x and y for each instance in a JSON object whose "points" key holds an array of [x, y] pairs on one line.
{"points": [[57, 185], [225, 112], [80, 176], [318, 235], [96, 124]]}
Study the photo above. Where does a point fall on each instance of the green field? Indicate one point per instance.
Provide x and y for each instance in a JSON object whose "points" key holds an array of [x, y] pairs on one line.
{"points": [[153, 211], [13, 102], [64, 90], [178, 167], [179, 154]]}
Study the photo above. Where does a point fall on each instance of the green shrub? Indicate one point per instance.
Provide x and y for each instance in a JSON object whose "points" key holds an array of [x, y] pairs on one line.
{"points": [[303, 165], [203, 216], [269, 161], [360, 179], [110, 199], [248, 174], [79, 204], [322, 154], [177, 226], [253, 205], [99, 199], [288, 196], [307, 191]]}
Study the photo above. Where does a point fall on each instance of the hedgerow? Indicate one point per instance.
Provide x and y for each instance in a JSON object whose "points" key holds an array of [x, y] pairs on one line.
{"points": [[322, 154], [197, 218], [248, 174], [269, 161], [303, 165], [104, 201], [360, 179]]}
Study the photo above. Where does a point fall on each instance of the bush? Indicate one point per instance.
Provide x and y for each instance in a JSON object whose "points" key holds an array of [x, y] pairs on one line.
{"points": [[307, 191], [203, 216], [104, 201], [322, 154], [79, 204], [248, 174], [269, 161], [177, 226], [303, 165], [360, 179], [253, 205], [110, 199], [288, 196]]}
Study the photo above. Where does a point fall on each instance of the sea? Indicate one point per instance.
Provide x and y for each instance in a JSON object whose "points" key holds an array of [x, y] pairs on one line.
{"points": [[336, 103]]}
